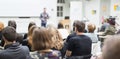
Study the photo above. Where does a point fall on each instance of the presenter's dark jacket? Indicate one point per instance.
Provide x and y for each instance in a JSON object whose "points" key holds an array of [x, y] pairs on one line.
{"points": [[15, 51]]}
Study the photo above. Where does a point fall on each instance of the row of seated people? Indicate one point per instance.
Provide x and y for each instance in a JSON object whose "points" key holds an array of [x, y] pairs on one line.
{"points": [[47, 42], [109, 27]]}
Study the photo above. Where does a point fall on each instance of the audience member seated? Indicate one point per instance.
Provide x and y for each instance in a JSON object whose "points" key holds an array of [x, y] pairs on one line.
{"points": [[60, 25], [110, 30], [43, 43], [73, 32], [104, 25], [58, 41], [28, 41], [13, 50], [95, 44], [91, 28], [30, 25], [70, 36], [11, 23], [111, 51], [64, 32], [28, 35], [1, 28], [80, 45], [19, 38], [56, 37]]}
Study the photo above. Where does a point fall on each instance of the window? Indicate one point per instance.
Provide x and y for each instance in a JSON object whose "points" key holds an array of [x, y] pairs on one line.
{"points": [[60, 1], [59, 11]]}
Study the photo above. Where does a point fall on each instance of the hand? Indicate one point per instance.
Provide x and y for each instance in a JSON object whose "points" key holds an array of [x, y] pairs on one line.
{"points": [[68, 53], [45, 17]]}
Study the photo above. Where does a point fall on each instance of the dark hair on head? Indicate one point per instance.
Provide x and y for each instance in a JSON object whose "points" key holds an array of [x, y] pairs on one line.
{"points": [[111, 21], [41, 39], [31, 24], [60, 25], [44, 8], [74, 23], [9, 33], [80, 26], [12, 23], [19, 38]]}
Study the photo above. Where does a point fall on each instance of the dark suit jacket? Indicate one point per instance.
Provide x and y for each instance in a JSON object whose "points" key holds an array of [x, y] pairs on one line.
{"points": [[15, 51]]}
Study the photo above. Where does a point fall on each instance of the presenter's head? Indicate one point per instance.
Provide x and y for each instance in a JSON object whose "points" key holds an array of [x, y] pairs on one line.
{"points": [[44, 10]]}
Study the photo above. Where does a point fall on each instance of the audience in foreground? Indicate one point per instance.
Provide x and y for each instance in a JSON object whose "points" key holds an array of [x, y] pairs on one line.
{"points": [[42, 43], [13, 24], [47, 43], [56, 37], [29, 38], [112, 51], [110, 30], [12, 49], [29, 26], [80, 45]]}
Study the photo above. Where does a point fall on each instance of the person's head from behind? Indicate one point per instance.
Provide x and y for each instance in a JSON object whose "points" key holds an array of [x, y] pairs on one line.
{"points": [[112, 21], [30, 25], [1, 26], [12, 23], [60, 26], [41, 39], [111, 48], [80, 26], [91, 27], [74, 23], [56, 38], [30, 32], [9, 34], [19, 38]]}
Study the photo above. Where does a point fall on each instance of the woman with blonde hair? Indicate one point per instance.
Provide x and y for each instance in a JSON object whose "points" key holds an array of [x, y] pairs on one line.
{"points": [[56, 37], [1, 28]]}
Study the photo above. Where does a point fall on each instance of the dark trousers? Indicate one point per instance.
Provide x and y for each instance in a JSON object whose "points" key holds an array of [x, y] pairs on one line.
{"points": [[43, 24]]}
